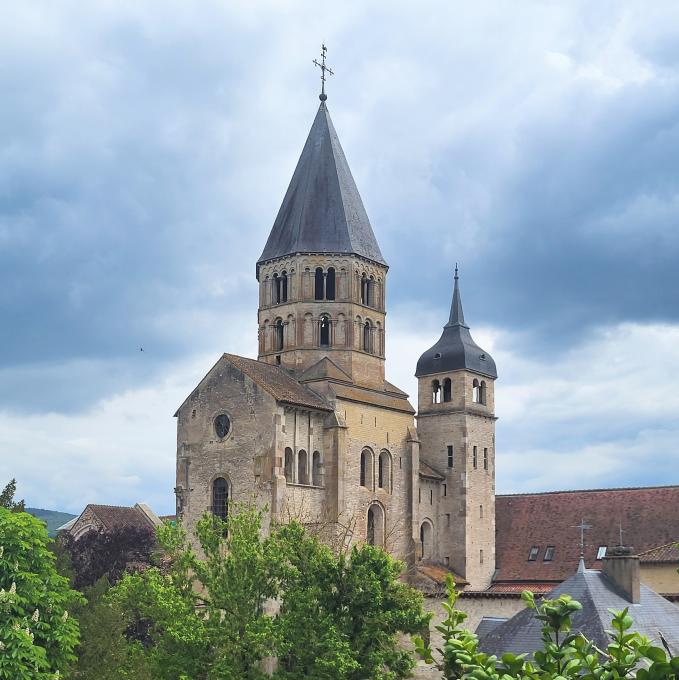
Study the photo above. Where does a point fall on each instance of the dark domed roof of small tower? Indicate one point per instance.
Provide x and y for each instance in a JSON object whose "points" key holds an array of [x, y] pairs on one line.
{"points": [[456, 348], [322, 211]]}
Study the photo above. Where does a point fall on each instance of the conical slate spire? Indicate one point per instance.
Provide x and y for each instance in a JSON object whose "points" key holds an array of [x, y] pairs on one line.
{"points": [[456, 313], [322, 211], [456, 348]]}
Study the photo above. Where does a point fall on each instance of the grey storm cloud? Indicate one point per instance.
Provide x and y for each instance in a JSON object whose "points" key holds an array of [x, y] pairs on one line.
{"points": [[145, 149]]}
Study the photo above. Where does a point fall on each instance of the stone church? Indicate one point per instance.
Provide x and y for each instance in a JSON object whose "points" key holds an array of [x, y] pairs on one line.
{"points": [[311, 429]]}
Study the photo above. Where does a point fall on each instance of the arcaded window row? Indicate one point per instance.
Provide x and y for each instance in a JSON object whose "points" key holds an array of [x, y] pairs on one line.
{"points": [[298, 472], [322, 284], [442, 392], [384, 470]]}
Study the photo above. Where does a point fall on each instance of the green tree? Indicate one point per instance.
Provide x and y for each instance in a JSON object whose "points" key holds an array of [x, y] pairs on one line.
{"points": [[358, 606], [286, 595], [105, 652], [7, 498], [37, 633]]}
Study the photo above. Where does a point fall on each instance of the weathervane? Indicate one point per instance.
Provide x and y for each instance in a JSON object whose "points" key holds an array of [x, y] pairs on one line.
{"points": [[323, 68], [583, 526]]}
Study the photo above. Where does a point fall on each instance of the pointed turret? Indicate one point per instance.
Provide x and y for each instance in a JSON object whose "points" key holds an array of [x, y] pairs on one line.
{"points": [[456, 314], [456, 348], [322, 211]]}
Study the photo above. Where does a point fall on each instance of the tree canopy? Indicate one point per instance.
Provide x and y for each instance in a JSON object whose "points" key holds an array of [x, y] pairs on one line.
{"points": [[37, 633], [7, 498]]}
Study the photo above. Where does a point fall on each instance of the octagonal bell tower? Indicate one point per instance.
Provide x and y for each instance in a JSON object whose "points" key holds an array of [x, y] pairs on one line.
{"points": [[456, 427], [322, 277]]}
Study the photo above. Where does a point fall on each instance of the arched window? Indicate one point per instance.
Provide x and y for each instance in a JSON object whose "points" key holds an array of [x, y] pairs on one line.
{"points": [[289, 465], [330, 284], [316, 474], [324, 331], [482, 392], [436, 392], [279, 334], [220, 498], [367, 337], [318, 284], [375, 525], [384, 471], [276, 289], [364, 289], [447, 389], [302, 469], [426, 540], [476, 392], [371, 292], [367, 468], [284, 286]]}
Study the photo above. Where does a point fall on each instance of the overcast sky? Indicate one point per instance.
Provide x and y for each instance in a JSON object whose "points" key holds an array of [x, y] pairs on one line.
{"points": [[145, 148]]}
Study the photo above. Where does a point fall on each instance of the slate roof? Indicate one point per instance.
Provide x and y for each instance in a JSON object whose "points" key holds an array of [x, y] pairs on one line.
{"points": [[596, 594], [488, 624], [649, 518], [456, 348], [663, 554], [322, 211], [278, 383]]}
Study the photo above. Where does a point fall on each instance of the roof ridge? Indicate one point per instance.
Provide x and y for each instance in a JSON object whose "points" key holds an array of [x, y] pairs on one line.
{"points": [[595, 490], [671, 544]]}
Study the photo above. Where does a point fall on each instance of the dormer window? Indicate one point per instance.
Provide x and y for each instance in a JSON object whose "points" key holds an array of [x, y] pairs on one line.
{"points": [[437, 355]]}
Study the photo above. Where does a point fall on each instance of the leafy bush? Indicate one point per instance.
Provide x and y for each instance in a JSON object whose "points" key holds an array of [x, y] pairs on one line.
{"points": [[564, 654]]}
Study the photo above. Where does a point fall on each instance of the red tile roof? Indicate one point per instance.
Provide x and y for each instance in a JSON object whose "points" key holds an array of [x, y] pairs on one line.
{"points": [[278, 383], [428, 471], [116, 517], [668, 553], [649, 518], [538, 588]]}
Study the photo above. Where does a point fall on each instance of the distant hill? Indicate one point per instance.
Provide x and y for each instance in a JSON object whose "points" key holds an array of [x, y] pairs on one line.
{"points": [[52, 518]]}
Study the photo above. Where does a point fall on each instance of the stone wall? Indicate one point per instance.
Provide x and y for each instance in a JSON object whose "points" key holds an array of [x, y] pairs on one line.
{"points": [[245, 457], [379, 430], [663, 578], [466, 509], [301, 313]]}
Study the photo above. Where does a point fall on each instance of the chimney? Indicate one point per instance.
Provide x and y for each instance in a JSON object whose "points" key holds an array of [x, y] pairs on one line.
{"points": [[621, 567]]}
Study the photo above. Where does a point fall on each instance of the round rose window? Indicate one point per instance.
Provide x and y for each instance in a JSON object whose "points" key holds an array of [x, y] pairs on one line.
{"points": [[222, 425]]}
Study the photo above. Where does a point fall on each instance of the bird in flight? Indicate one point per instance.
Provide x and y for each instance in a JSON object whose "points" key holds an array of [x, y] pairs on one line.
{"points": [[141, 349]]}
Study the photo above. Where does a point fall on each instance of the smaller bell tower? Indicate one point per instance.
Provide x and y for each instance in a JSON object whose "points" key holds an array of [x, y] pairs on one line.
{"points": [[456, 427]]}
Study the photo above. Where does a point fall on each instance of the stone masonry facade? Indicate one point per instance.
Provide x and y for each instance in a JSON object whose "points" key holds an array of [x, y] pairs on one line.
{"points": [[311, 429]]}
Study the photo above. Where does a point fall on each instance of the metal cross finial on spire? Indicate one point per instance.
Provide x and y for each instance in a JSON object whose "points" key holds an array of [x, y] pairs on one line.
{"points": [[323, 68], [583, 526], [456, 276]]}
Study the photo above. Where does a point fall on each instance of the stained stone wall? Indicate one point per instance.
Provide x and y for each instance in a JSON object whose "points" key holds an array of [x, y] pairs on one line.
{"points": [[466, 509], [244, 457]]}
